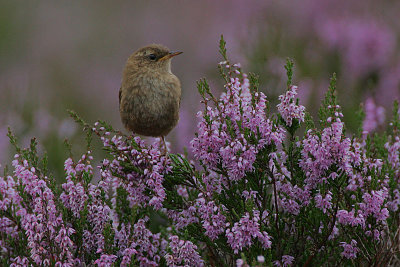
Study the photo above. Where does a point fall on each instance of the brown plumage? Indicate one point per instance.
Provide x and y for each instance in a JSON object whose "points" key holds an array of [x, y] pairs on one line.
{"points": [[150, 94]]}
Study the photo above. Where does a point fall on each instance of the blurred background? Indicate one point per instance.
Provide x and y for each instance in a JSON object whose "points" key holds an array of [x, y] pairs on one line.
{"points": [[59, 55]]}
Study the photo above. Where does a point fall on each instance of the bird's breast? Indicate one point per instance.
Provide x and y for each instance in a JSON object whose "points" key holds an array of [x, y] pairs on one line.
{"points": [[150, 104]]}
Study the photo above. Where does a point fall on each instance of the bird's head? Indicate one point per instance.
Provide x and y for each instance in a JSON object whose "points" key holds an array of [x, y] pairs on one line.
{"points": [[156, 57]]}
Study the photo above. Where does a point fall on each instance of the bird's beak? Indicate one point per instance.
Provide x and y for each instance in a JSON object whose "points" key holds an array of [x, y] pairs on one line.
{"points": [[169, 55]]}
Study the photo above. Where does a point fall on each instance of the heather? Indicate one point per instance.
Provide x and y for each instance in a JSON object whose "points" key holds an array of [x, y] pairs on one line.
{"points": [[58, 55], [267, 185]]}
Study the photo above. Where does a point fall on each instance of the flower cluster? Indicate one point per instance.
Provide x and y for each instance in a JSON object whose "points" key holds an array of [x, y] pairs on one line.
{"points": [[140, 169], [226, 132], [183, 252], [30, 216], [242, 233], [350, 250], [288, 109]]}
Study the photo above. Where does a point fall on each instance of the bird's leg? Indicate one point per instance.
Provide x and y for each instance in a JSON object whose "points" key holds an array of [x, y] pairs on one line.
{"points": [[164, 151], [164, 145]]}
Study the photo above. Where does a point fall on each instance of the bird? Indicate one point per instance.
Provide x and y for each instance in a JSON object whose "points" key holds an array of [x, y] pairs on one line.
{"points": [[150, 94]]}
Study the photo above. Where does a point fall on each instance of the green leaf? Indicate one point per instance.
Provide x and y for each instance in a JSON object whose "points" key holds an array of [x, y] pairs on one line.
{"points": [[254, 82], [222, 47], [309, 121], [330, 100], [289, 71], [77, 119], [13, 140]]}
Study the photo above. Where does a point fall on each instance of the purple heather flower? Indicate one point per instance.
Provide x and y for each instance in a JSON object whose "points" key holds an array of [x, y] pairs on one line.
{"points": [[331, 148], [287, 260], [393, 153], [148, 246], [183, 252], [144, 187], [323, 203], [183, 218], [19, 261], [241, 235], [289, 205], [127, 256], [374, 204], [334, 233], [74, 196], [349, 250], [105, 260], [288, 108], [394, 202], [349, 218], [213, 221]]}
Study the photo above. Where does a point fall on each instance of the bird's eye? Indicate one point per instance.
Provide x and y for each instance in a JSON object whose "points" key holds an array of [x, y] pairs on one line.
{"points": [[152, 57]]}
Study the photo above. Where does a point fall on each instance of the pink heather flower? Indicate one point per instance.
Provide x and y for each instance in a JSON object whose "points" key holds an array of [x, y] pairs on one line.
{"points": [[183, 218], [393, 154], [183, 252], [213, 221], [19, 261], [144, 182], [249, 195], [213, 182], [373, 204], [323, 203], [98, 216], [394, 202], [349, 218], [242, 233], [8, 228], [374, 116], [9, 193], [288, 108], [335, 232], [74, 196], [292, 198], [289, 205], [121, 236], [182, 191], [238, 165], [148, 246], [105, 260], [331, 148], [127, 256], [349, 250], [286, 261]]}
